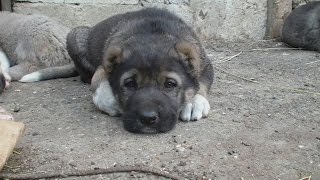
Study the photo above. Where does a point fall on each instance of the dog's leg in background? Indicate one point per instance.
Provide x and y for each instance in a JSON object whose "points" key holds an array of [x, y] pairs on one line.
{"points": [[51, 73], [103, 96], [4, 76], [18, 71]]}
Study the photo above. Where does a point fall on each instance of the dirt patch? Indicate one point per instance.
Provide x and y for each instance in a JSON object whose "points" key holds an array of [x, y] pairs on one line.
{"points": [[264, 124]]}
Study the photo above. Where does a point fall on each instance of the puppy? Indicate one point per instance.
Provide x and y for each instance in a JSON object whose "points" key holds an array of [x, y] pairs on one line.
{"points": [[302, 27], [147, 65], [33, 49]]}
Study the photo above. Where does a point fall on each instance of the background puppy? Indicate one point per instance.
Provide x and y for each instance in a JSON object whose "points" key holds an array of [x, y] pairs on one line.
{"points": [[147, 64], [34, 47], [302, 27]]}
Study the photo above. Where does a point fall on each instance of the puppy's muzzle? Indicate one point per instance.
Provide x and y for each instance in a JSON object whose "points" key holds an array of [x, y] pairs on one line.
{"points": [[149, 110]]}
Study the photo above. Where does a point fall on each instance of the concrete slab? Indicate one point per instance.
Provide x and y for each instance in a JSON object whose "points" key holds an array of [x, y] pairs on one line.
{"points": [[268, 129]]}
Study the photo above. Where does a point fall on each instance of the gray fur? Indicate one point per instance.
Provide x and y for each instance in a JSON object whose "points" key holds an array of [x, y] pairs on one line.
{"points": [[33, 43], [302, 27]]}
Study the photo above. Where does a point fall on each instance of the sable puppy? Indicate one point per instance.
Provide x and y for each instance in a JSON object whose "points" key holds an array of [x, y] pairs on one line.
{"points": [[33, 49], [147, 65], [302, 27]]}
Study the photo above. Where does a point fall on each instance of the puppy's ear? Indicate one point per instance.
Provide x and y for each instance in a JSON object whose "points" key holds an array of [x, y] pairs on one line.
{"points": [[191, 54], [112, 57]]}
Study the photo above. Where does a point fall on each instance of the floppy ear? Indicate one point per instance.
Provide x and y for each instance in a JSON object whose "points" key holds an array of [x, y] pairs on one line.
{"points": [[190, 53], [112, 57]]}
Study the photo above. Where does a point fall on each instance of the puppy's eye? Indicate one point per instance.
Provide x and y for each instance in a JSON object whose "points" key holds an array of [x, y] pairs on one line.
{"points": [[130, 83], [170, 83]]}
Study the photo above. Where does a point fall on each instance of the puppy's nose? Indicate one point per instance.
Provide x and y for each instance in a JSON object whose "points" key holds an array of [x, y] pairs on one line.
{"points": [[148, 117]]}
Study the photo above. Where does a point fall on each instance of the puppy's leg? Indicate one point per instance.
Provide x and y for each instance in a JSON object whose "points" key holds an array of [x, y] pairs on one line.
{"points": [[51, 73], [103, 96], [197, 106], [18, 71], [77, 49], [4, 76]]}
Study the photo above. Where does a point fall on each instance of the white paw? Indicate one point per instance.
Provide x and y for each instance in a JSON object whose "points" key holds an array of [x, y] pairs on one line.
{"points": [[104, 99], [7, 80], [32, 77], [195, 110], [4, 61]]}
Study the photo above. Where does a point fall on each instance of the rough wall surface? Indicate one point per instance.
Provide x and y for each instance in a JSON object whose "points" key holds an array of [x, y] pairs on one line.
{"points": [[278, 10], [230, 20]]}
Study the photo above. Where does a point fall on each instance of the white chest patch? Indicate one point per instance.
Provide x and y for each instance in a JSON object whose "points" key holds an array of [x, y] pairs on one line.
{"points": [[4, 62]]}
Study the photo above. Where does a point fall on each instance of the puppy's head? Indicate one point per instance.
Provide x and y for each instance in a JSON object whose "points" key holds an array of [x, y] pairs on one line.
{"points": [[151, 84]]}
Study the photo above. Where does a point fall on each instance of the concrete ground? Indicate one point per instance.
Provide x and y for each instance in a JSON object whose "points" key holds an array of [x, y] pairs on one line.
{"points": [[264, 124]]}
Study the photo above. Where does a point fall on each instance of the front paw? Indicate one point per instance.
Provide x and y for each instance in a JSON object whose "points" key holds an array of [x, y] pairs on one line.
{"points": [[105, 101], [195, 110], [7, 80]]}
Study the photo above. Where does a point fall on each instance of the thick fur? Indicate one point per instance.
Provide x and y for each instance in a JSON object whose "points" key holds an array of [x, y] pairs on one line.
{"points": [[33, 45], [301, 28], [147, 65]]}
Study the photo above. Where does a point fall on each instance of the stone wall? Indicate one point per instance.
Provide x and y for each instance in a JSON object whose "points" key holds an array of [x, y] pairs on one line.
{"points": [[230, 20]]}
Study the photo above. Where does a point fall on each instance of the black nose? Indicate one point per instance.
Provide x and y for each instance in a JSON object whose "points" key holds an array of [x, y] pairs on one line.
{"points": [[148, 117]]}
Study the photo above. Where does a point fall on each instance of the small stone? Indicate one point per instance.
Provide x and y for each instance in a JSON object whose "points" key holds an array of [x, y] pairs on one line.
{"points": [[72, 164], [179, 148], [245, 144], [35, 134], [246, 114], [232, 152], [182, 163], [92, 163], [230, 109], [16, 108]]}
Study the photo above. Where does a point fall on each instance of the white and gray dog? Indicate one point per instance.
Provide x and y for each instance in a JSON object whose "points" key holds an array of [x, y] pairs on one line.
{"points": [[32, 48]]}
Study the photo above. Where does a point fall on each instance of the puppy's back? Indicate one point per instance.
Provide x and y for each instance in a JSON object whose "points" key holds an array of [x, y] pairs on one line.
{"points": [[302, 27], [46, 38]]}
